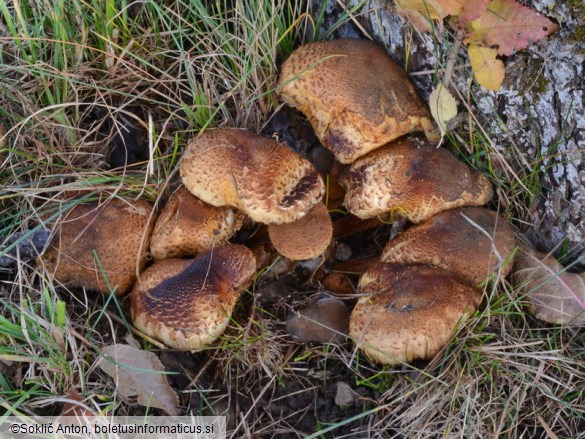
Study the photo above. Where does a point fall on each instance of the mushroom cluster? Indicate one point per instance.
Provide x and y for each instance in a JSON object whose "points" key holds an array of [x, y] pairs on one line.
{"points": [[362, 107], [186, 297], [426, 282], [229, 175]]}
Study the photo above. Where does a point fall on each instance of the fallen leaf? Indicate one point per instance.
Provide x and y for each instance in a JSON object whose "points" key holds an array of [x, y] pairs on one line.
{"points": [[472, 10], [487, 69], [451, 7], [137, 374], [324, 320], [421, 12], [415, 18], [434, 9], [510, 26], [75, 406], [443, 107]]}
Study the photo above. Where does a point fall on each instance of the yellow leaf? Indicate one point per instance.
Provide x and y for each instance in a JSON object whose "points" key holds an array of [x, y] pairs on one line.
{"points": [[426, 8], [487, 69], [443, 107]]}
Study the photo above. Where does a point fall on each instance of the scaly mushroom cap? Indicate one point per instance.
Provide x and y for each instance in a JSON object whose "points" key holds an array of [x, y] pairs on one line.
{"points": [[554, 295], [414, 182], [115, 230], [268, 181], [354, 95], [472, 242], [187, 304], [305, 238], [409, 312], [187, 226]]}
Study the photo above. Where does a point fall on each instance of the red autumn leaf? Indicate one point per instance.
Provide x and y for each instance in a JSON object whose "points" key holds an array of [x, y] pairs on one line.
{"points": [[510, 26], [472, 10]]}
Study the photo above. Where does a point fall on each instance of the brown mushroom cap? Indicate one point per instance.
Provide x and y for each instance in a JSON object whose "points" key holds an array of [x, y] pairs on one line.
{"points": [[414, 182], [473, 242], [409, 312], [554, 295], [268, 181], [187, 226], [115, 230], [354, 95], [305, 238], [187, 304]]}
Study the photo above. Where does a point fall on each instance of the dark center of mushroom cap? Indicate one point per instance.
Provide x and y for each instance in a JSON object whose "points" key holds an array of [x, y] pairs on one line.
{"points": [[303, 188], [215, 273]]}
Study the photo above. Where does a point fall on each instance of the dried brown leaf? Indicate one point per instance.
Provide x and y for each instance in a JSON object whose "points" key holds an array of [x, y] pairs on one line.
{"points": [[137, 374], [75, 406]]}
